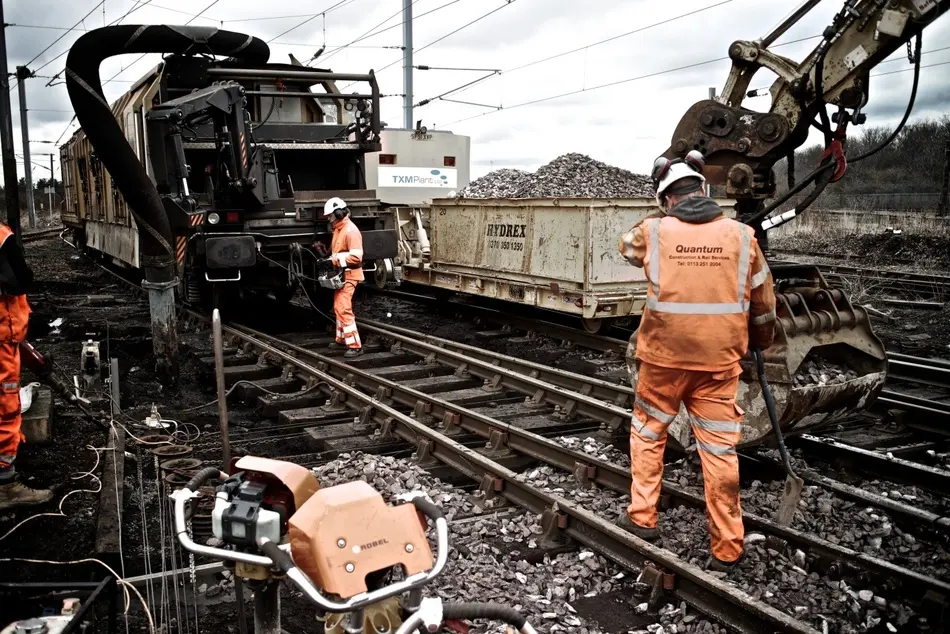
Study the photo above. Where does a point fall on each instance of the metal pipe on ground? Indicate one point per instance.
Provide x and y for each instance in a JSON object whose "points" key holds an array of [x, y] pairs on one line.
{"points": [[98, 123]]}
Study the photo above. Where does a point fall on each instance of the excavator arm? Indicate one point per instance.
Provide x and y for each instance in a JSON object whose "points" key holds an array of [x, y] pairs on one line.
{"points": [[815, 322], [741, 146]]}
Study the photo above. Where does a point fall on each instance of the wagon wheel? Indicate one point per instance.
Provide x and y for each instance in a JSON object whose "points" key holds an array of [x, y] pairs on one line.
{"points": [[594, 326], [383, 273]]}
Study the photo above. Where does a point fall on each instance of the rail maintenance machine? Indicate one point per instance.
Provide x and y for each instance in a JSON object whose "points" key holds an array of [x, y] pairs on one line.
{"points": [[209, 175]]}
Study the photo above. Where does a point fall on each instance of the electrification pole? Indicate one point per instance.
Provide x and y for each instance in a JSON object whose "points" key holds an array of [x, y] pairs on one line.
{"points": [[22, 72], [945, 192], [51, 189], [407, 63], [10, 182]]}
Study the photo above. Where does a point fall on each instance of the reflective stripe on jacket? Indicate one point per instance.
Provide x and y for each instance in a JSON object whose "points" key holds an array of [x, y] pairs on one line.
{"points": [[706, 281], [14, 309], [346, 249]]}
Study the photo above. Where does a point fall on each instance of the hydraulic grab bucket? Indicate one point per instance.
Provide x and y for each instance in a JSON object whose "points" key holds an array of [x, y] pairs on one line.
{"points": [[816, 323]]}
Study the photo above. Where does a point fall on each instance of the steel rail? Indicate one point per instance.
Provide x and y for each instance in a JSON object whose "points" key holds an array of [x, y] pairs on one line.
{"points": [[927, 281], [501, 435], [877, 464], [582, 338], [730, 606], [497, 374], [616, 393], [34, 236], [619, 395], [903, 367]]}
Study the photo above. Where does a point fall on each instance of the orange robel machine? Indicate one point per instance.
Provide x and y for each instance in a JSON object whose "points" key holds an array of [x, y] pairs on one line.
{"points": [[740, 147], [361, 562]]}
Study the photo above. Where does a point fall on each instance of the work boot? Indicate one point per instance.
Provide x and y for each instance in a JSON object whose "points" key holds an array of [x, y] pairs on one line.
{"points": [[717, 565], [648, 534], [353, 352], [335, 346], [16, 493]]}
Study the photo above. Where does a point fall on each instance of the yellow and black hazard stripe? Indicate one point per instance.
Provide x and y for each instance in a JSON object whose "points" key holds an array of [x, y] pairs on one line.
{"points": [[196, 219], [243, 151]]}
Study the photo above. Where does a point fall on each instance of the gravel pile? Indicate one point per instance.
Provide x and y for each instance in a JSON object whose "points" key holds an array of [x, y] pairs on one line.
{"points": [[568, 176], [816, 371]]}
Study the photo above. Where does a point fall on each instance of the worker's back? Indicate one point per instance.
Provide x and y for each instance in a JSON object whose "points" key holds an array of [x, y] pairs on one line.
{"points": [[699, 291]]}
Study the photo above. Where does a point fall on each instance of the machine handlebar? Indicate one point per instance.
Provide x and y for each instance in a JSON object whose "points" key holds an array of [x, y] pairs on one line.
{"points": [[279, 557]]}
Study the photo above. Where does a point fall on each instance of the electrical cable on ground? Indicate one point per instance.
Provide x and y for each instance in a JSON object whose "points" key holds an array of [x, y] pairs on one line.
{"points": [[59, 512], [125, 584]]}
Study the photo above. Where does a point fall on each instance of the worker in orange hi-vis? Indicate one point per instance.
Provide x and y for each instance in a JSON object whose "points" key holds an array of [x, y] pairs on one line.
{"points": [[15, 278], [709, 297], [346, 252]]}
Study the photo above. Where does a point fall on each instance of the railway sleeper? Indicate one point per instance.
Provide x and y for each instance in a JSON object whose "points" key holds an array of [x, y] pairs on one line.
{"points": [[607, 474]]}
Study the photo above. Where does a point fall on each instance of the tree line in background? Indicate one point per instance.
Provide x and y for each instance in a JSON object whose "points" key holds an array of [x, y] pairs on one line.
{"points": [[43, 202], [40, 197], [907, 175]]}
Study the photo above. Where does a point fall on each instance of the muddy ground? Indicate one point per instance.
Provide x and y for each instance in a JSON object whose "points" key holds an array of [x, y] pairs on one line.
{"points": [[75, 301]]}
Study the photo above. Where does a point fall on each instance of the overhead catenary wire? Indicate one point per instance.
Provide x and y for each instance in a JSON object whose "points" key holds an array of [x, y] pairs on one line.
{"points": [[648, 76], [140, 4], [364, 35], [508, 3], [312, 17], [368, 34], [613, 38]]}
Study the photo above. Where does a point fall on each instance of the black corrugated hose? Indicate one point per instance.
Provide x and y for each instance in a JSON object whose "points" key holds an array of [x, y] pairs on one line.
{"points": [[97, 121], [492, 611]]}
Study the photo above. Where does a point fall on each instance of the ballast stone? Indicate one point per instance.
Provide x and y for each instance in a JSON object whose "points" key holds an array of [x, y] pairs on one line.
{"points": [[568, 176]]}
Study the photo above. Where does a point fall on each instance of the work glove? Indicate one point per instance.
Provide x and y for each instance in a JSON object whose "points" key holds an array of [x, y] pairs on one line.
{"points": [[321, 249]]}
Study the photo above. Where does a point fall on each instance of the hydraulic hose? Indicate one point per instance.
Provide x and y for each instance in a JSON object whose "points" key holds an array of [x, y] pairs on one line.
{"points": [[491, 611], [111, 147]]}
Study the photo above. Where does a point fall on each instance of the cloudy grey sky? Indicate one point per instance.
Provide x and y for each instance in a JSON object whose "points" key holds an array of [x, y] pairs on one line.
{"points": [[627, 123]]}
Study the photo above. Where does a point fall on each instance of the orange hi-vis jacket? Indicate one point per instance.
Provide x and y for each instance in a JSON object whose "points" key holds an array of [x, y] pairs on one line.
{"points": [[707, 283], [14, 309], [346, 248]]}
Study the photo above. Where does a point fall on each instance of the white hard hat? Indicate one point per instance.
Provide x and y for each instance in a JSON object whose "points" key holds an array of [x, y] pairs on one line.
{"points": [[667, 172], [332, 205], [676, 172]]}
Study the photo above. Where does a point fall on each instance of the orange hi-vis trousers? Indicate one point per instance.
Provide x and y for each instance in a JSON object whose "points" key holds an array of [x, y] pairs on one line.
{"points": [[10, 433], [346, 332], [716, 420]]}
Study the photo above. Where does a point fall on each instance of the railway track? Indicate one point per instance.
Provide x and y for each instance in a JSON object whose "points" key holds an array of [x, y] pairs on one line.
{"points": [[485, 416], [921, 388], [916, 385], [467, 409], [898, 282], [43, 234]]}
